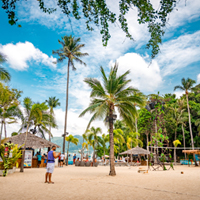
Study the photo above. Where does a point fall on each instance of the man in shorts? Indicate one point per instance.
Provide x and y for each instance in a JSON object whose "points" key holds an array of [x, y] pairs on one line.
{"points": [[51, 164]]}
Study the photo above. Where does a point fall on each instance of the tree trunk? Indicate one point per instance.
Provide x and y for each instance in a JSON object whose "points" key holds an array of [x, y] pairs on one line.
{"points": [[175, 147], [190, 122], [184, 140], [1, 130], [50, 134], [94, 155], [190, 126], [147, 141], [112, 164], [67, 154], [5, 129], [23, 151], [66, 109]]}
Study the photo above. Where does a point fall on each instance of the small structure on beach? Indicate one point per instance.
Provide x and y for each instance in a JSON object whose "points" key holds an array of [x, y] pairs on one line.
{"points": [[33, 142], [136, 151]]}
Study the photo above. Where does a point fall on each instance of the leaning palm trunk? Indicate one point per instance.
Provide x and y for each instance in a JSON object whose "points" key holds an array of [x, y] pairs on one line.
{"points": [[23, 152], [1, 130], [94, 156], [192, 141], [112, 164], [183, 139], [67, 91], [5, 129], [147, 141]]}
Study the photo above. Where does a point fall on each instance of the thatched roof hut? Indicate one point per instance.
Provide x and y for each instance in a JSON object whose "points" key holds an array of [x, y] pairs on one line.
{"points": [[136, 151], [33, 141], [191, 151]]}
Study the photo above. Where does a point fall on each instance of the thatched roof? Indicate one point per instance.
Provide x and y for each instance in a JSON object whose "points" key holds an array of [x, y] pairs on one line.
{"points": [[191, 151], [33, 141], [136, 151]]}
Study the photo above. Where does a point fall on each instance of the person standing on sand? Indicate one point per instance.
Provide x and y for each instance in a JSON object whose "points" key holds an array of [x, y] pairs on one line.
{"points": [[62, 158], [51, 164]]}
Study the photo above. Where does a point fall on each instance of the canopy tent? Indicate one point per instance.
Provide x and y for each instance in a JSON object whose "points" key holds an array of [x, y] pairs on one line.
{"points": [[33, 141], [136, 151]]}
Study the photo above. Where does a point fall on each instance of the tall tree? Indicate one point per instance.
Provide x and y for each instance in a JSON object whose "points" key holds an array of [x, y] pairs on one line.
{"points": [[70, 139], [4, 74], [114, 93], [187, 85], [71, 49], [8, 104], [93, 135], [32, 111], [52, 102], [103, 140], [177, 118]]}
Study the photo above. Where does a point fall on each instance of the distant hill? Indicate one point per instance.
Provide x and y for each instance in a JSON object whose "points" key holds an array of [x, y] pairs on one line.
{"points": [[72, 147]]}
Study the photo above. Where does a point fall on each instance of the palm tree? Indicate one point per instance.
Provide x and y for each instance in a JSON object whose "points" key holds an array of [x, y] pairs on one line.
{"points": [[181, 104], [8, 104], [70, 139], [103, 140], [114, 93], [186, 86], [71, 49], [32, 111], [42, 124], [4, 74], [52, 102], [177, 118], [93, 135], [9, 115]]}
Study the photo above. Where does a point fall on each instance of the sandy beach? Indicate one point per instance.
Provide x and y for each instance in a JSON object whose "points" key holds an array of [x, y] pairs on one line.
{"points": [[94, 183]]}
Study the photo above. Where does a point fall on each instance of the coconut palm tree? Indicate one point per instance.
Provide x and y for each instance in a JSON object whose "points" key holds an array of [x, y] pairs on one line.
{"points": [[177, 118], [93, 135], [8, 104], [9, 115], [40, 125], [70, 139], [32, 111], [186, 86], [52, 102], [113, 94], [103, 140], [71, 49], [181, 104], [4, 74]]}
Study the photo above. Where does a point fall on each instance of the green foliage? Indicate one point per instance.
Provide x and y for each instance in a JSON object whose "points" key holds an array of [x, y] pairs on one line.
{"points": [[14, 133], [176, 143], [11, 156], [97, 13], [4, 74]]}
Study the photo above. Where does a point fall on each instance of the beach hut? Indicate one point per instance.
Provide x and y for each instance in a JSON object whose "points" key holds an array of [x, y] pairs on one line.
{"points": [[33, 142], [136, 151], [193, 152]]}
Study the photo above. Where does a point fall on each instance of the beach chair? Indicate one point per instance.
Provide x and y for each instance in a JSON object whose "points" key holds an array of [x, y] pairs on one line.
{"points": [[88, 164]]}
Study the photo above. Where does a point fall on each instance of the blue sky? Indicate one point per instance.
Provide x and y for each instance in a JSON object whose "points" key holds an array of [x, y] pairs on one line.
{"points": [[30, 60]]}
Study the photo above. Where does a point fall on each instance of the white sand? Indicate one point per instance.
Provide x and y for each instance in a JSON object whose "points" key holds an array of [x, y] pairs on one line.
{"points": [[94, 183]]}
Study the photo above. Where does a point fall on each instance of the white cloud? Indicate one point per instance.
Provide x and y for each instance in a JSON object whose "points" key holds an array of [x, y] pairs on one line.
{"points": [[76, 125], [186, 11], [19, 55], [179, 93], [198, 78], [144, 77], [179, 53]]}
